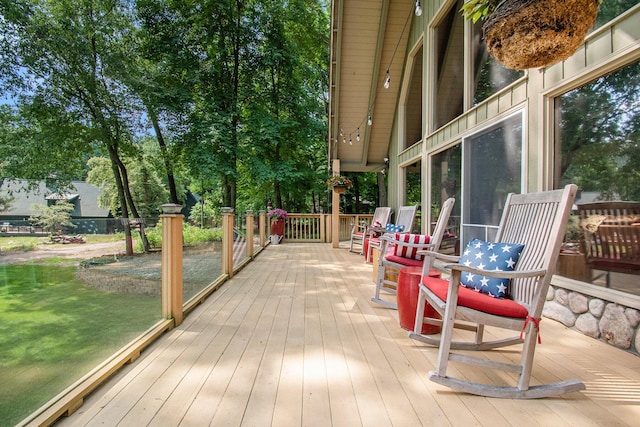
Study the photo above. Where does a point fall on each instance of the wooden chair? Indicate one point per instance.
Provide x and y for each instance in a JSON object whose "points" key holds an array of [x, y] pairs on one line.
{"points": [[359, 231], [538, 221], [408, 245], [610, 238], [405, 219]]}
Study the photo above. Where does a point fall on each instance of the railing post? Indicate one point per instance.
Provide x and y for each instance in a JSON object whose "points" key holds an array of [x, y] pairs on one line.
{"points": [[335, 210], [249, 237], [323, 231], [172, 263], [262, 225], [227, 241]]}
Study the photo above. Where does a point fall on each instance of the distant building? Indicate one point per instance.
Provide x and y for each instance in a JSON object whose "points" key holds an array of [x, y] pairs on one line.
{"points": [[87, 215]]}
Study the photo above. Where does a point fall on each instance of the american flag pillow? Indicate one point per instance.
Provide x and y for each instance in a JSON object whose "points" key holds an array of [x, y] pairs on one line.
{"points": [[489, 256], [407, 251]]}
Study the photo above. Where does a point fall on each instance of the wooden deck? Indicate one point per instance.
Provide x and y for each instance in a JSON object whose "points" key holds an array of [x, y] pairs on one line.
{"points": [[293, 340]]}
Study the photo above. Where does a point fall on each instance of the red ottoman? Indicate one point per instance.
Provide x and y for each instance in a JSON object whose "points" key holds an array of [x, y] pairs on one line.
{"points": [[365, 248], [407, 295]]}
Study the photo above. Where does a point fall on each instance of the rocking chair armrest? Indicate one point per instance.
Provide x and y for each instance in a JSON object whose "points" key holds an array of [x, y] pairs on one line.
{"points": [[520, 274], [359, 227], [379, 230], [437, 255]]}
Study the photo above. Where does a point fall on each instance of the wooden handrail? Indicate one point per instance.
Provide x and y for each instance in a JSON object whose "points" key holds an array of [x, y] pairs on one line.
{"points": [[317, 227]]}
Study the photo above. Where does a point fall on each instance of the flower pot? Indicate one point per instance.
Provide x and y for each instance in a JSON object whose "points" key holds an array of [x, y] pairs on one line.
{"points": [[525, 34], [277, 227], [339, 188]]}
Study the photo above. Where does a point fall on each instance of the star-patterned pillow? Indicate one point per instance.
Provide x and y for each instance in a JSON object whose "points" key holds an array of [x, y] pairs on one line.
{"points": [[489, 256], [393, 228]]}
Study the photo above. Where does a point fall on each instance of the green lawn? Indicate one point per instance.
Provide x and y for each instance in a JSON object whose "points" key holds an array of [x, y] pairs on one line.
{"points": [[53, 330], [31, 243]]}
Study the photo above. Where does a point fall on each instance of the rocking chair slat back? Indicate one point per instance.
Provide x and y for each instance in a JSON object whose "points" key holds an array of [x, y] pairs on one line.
{"points": [[531, 222]]}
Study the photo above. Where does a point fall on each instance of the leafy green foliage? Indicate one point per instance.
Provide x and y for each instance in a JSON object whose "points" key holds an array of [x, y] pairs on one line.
{"points": [[600, 135], [148, 190], [475, 10], [192, 236], [55, 219]]}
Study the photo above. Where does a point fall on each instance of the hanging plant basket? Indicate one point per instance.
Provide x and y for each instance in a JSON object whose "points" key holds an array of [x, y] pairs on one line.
{"points": [[340, 189], [525, 34]]}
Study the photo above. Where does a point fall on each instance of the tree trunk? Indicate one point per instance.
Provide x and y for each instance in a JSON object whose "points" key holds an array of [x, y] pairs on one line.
{"points": [[121, 197], [277, 194], [126, 199], [173, 193], [382, 190]]}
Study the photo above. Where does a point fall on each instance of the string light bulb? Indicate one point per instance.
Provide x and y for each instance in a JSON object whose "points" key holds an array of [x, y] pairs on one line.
{"points": [[387, 81], [350, 140], [358, 135], [418, 8], [370, 120]]}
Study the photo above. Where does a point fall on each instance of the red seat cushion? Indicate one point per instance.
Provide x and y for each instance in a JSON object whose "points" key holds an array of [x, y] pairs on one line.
{"points": [[410, 262], [476, 300]]}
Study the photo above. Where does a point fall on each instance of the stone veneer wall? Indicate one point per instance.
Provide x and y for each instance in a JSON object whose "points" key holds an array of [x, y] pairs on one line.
{"points": [[596, 312]]}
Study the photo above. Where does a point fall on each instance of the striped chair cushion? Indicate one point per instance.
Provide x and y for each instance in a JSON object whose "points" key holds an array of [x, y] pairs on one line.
{"points": [[407, 251]]}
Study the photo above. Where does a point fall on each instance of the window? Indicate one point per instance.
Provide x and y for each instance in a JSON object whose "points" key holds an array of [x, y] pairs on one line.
{"points": [[413, 106], [489, 75], [446, 180], [492, 165], [449, 39], [611, 8], [413, 188], [598, 136], [597, 147]]}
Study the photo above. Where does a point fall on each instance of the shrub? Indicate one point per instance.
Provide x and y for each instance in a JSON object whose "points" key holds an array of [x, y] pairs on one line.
{"points": [[192, 236]]}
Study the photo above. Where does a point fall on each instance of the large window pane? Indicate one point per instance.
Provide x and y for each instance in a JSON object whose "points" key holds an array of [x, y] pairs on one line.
{"points": [[490, 76], [598, 128], [413, 175], [492, 169], [414, 103], [449, 39], [597, 138], [446, 179], [611, 8]]}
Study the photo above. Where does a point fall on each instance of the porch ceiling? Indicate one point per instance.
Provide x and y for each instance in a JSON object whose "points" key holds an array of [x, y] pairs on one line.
{"points": [[368, 37]]}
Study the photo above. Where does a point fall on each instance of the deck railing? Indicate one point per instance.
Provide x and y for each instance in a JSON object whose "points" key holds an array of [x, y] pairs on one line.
{"points": [[181, 290], [317, 227]]}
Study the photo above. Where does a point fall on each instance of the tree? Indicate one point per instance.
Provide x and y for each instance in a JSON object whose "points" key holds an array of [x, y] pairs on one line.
{"points": [[285, 133], [55, 218], [63, 59], [600, 134]]}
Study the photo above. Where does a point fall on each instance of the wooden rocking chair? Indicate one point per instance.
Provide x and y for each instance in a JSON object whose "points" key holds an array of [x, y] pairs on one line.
{"points": [[404, 220], [413, 244], [537, 221], [360, 231]]}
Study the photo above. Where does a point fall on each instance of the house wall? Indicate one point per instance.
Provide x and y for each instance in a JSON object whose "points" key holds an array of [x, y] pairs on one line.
{"points": [[606, 49], [21, 207]]}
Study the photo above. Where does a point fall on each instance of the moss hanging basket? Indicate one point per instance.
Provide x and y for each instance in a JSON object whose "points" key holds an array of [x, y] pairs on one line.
{"points": [[525, 34]]}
